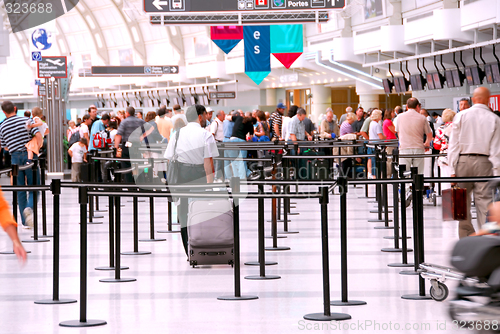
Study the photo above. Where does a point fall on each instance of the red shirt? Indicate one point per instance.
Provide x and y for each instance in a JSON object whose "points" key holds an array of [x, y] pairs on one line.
{"points": [[388, 133]]}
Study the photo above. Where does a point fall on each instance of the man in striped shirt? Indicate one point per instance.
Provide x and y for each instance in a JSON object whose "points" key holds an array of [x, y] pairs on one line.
{"points": [[14, 136]]}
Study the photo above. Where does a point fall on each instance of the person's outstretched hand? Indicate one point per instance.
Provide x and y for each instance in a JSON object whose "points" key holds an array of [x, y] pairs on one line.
{"points": [[20, 252]]}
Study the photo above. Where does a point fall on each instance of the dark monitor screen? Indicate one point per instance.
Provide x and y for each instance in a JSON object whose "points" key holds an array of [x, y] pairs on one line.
{"points": [[430, 81], [402, 84], [449, 79], [495, 70], [387, 86], [468, 75], [417, 82], [397, 84], [476, 76], [489, 74], [437, 81], [457, 79]]}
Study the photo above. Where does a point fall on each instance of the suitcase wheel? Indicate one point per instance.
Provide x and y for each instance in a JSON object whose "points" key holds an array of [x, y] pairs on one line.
{"points": [[231, 263]]}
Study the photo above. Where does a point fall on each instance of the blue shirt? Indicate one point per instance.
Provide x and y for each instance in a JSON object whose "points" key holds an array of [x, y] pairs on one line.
{"points": [[96, 128], [228, 128]]}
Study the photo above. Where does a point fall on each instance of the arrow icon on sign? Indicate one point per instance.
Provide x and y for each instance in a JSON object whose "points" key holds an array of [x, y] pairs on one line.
{"points": [[158, 4], [174, 69]]}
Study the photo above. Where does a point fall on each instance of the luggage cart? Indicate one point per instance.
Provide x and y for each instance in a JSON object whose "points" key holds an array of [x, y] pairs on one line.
{"points": [[438, 276]]}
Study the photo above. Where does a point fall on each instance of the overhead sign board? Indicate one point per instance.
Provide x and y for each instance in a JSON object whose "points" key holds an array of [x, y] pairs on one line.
{"points": [[221, 95], [52, 67], [289, 78], [133, 70], [200, 6]]}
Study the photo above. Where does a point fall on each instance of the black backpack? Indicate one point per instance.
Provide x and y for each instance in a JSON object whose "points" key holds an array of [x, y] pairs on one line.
{"points": [[75, 138]]}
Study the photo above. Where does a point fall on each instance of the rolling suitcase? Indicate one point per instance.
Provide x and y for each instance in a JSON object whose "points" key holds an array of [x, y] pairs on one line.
{"points": [[210, 232]]}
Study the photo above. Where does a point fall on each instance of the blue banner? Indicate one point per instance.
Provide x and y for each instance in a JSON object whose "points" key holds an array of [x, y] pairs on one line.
{"points": [[257, 48]]}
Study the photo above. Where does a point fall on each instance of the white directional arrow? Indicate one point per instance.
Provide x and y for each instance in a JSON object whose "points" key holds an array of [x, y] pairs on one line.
{"points": [[158, 4], [174, 69]]}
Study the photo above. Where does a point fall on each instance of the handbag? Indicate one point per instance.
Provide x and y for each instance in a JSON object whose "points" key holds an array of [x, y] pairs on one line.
{"points": [[454, 204], [173, 164]]}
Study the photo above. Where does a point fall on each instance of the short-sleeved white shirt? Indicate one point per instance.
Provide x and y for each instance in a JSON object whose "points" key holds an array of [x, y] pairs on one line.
{"points": [[195, 144], [84, 129], [78, 152]]}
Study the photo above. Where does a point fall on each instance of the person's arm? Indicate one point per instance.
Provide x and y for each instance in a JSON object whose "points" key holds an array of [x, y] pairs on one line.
{"points": [[39, 138], [85, 157], [495, 150], [392, 128], [47, 131], [260, 131], [11, 231], [309, 137], [453, 145], [293, 137], [70, 152], [429, 136], [118, 140], [364, 134], [277, 130], [35, 124], [208, 164]]}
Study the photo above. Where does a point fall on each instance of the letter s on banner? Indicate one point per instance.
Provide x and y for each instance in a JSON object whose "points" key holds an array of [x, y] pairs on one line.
{"points": [[257, 48]]}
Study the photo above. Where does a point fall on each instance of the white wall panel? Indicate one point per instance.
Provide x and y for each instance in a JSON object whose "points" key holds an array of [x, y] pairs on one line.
{"points": [[479, 14]]}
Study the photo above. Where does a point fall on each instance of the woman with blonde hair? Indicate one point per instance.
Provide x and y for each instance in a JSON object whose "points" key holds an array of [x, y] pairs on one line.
{"points": [[375, 132], [441, 142]]}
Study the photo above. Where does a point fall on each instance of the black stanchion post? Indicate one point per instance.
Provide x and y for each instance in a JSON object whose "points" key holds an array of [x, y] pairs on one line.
{"points": [[152, 222], [382, 167], [418, 222], [97, 172], [83, 322], [343, 187], [286, 201], [43, 167], [56, 192], [414, 173], [404, 237], [235, 189], [136, 251], [34, 172], [262, 263], [327, 315], [274, 220], [90, 176], [378, 190], [118, 267]]}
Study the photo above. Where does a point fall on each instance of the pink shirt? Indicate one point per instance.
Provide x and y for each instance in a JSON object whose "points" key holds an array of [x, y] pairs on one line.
{"points": [[411, 128], [388, 133]]}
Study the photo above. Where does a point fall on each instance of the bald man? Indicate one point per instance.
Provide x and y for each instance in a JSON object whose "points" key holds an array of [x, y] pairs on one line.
{"points": [[474, 150]]}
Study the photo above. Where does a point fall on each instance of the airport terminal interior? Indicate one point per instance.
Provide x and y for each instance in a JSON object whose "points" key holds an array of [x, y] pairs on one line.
{"points": [[250, 166]]}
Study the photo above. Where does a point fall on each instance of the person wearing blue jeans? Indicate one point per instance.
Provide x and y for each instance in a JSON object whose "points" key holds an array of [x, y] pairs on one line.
{"points": [[239, 166], [25, 177], [228, 126]]}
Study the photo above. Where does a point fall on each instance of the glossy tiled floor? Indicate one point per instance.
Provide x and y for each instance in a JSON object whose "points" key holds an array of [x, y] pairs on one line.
{"points": [[171, 297]]}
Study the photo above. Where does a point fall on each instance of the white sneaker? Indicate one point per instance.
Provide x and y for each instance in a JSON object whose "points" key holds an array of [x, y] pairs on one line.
{"points": [[28, 217]]}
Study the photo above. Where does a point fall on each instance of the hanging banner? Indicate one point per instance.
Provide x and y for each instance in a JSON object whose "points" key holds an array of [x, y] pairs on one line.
{"points": [[257, 52], [287, 43], [226, 38]]}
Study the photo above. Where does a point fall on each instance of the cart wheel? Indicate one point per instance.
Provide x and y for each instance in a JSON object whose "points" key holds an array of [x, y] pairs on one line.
{"points": [[439, 294], [434, 200]]}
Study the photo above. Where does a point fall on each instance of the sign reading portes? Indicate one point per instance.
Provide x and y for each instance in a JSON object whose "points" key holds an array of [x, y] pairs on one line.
{"points": [[53, 67], [180, 6]]}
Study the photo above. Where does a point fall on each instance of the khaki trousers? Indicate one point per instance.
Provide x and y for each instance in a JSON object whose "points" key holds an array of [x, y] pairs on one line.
{"points": [[474, 166]]}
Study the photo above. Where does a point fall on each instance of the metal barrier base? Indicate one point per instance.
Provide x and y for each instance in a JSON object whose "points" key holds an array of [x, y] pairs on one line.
{"points": [[117, 280], [237, 298], [93, 223], [279, 237], [44, 236], [262, 278], [111, 268], [281, 248], [376, 211], [78, 323], [152, 240], [391, 237], [288, 232], [395, 250], [35, 241], [54, 302], [416, 297], [401, 265], [136, 253], [323, 317], [378, 220], [383, 227], [409, 272], [348, 303], [11, 252], [168, 231], [257, 263]]}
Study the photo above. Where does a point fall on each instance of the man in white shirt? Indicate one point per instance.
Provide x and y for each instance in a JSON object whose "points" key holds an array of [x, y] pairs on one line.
{"points": [[474, 150], [217, 130], [84, 127], [195, 151]]}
